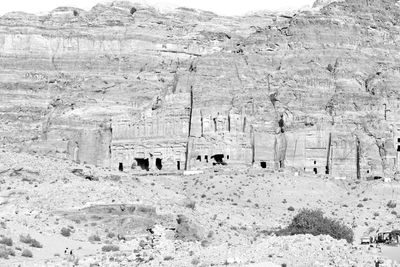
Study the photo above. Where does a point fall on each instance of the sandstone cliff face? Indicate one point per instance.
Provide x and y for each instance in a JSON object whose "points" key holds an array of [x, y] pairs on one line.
{"points": [[123, 86]]}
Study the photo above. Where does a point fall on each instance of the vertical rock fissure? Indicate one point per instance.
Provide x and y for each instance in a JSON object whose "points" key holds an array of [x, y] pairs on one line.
{"points": [[190, 128], [328, 167], [358, 155]]}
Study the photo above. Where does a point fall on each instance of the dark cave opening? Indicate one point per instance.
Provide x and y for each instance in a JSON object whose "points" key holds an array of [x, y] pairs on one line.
{"points": [[142, 163]]}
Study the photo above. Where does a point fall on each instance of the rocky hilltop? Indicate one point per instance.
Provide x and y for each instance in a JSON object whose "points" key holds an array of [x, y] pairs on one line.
{"points": [[124, 86]]}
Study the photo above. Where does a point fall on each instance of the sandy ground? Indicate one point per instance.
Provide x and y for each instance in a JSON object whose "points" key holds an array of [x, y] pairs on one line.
{"points": [[226, 212]]}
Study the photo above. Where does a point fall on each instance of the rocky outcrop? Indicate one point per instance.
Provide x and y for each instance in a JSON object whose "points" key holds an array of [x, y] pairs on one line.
{"points": [[123, 86]]}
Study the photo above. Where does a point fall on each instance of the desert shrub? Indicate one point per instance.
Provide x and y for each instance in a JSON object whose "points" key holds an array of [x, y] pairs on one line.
{"points": [[27, 239], [11, 252], [27, 253], [391, 204], [110, 235], [195, 261], [191, 204], [94, 238], [210, 234], [108, 248], [65, 231], [313, 222], [205, 243], [36, 244], [360, 205], [5, 252], [290, 208], [6, 241]]}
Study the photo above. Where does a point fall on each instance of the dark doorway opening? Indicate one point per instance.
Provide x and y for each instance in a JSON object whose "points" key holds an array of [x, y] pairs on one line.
{"points": [[263, 164], [143, 163], [227, 157], [159, 163], [206, 158], [398, 148], [121, 167], [398, 140], [219, 159], [281, 164], [178, 165], [315, 171], [198, 158]]}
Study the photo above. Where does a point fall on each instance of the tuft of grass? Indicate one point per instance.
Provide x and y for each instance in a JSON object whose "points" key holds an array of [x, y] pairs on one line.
{"points": [[108, 248], [65, 231], [27, 253], [6, 241], [313, 222]]}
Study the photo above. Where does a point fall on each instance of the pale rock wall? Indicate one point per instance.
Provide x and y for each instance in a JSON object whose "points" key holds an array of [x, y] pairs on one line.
{"points": [[333, 72]]}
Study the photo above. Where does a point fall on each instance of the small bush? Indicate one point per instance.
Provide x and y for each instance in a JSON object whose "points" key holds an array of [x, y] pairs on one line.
{"points": [[94, 238], [36, 244], [6, 241], [110, 235], [391, 204], [313, 222], [65, 231], [205, 243], [191, 204], [27, 239], [27, 253], [5, 252], [290, 208], [108, 248], [360, 205], [195, 261]]}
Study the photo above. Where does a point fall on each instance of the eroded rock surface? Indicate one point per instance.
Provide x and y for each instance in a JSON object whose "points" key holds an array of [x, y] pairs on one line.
{"points": [[125, 86]]}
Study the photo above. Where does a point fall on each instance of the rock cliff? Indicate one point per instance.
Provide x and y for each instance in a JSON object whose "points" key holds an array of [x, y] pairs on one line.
{"points": [[125, 86]]}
